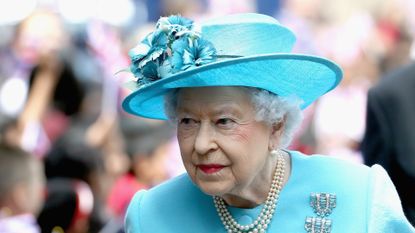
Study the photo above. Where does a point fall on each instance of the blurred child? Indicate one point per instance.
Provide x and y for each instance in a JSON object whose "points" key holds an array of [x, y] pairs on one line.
{"points": [[147, 144], [22, 182], [68, 206], [71, 157]]}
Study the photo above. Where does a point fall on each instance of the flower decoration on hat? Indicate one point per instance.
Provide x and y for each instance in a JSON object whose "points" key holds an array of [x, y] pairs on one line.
{"points": [[191, 52], [150, 49], [174, 46], [147, 55], [176, 26]]}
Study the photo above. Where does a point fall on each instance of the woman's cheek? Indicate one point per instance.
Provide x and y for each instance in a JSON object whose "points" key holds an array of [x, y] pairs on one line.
{"points": [[190, 168], [242, 133], [186, 145], [185, 134]]}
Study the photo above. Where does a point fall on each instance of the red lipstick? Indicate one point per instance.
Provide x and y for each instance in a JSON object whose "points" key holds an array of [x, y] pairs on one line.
{"points": [[210, 168]]}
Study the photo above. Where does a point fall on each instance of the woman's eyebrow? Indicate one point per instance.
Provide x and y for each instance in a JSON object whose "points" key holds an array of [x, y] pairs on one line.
{"points": [[184, 108], [227, 109]]}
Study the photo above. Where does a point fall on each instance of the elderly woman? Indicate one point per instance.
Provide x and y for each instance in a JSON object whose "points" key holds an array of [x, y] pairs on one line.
{"points": [[236, 92]]}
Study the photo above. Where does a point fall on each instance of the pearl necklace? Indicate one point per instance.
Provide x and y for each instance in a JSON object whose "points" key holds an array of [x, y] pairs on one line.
{"points": [[262, 221]]}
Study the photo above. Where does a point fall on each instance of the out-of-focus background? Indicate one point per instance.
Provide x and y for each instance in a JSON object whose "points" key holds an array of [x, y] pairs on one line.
{"points": [[60, 96]]}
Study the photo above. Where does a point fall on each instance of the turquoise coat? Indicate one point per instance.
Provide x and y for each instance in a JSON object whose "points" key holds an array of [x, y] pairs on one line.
{"points": [[366, 202]]}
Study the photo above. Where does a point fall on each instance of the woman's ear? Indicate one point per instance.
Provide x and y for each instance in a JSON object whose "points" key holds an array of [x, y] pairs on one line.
{"points": [[277, 129]]}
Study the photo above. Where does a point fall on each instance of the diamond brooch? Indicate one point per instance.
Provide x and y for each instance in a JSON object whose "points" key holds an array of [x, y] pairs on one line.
{"points": [[323, 205]]}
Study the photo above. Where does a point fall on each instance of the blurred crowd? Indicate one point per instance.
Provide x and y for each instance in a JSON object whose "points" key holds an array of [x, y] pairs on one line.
{"points": [[71, 159]]}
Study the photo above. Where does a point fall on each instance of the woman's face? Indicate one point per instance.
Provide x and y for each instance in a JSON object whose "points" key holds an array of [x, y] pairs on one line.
{"points": [[223, 148]]}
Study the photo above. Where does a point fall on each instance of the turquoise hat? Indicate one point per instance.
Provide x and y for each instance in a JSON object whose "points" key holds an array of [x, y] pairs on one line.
{"points": [[250, 50]]}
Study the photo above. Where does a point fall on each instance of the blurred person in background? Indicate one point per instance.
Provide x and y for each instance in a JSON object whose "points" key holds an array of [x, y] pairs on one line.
{"points": [[55, 97], [36, 36], [389, 138], [49, 92], [366, 38], [71, 157], [103, 130], [147, 144], [394, 32], [68, 207], [22, 182]]}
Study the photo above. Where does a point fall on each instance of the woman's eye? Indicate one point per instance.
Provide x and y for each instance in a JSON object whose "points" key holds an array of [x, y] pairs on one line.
{"points": [[187, 121], [225, 122]]}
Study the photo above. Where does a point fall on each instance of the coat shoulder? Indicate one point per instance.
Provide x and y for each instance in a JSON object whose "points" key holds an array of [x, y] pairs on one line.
{"points": [[333, 169], [177, 202], [395, 81]]}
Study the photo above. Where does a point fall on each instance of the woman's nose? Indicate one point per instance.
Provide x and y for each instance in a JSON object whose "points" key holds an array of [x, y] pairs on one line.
{"points": [[205, 139]]}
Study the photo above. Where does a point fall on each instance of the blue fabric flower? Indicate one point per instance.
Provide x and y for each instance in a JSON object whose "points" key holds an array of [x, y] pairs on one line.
{"points": [[149, 73], [147, 56], [188, 52], [174, 46], [150, 49], [152, 71], [175, 27], [146, 74], [166, 23]]}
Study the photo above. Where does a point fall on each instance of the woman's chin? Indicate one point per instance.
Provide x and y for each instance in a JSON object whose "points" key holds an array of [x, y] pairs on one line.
{"points": [[215, 184], [212, 188]]}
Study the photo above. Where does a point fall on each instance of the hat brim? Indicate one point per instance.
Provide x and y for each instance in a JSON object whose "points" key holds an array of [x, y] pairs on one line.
{"points": [[306, 77]]}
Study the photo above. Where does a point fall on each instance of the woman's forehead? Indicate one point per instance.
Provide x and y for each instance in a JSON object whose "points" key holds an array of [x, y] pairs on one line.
{"points": [[214, 94], [214, 98]]}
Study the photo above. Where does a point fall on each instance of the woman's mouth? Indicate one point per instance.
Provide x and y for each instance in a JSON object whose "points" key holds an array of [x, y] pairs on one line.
{"points": [[210, 168]]}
